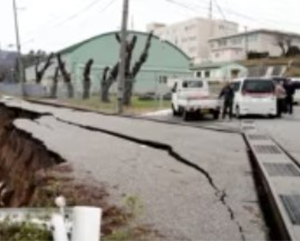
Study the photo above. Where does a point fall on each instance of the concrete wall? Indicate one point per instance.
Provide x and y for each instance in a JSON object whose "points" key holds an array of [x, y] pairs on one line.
{"points": [[253, 41], [226, 55], [221, 73], [31, 90]]}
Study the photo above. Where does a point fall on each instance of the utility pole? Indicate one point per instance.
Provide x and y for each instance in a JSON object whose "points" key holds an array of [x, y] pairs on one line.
{"points": [[20, 62], [210, 14], [246, 42], [121, 76]]}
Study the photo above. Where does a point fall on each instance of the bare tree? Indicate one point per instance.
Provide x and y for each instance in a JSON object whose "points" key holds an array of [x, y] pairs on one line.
{"points": [[135, 70], [39, 73], [284, 42], [55, 82], [87, 79], [107, 83], [66, 76], [130, 74]]}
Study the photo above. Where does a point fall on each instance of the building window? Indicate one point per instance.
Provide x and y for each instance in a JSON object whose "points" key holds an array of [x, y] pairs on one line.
{"points": [[252, 37], [193, 38], [188, 28], [236, 40], [163, 79], [222, 42], [207, 74], [199, 74]]}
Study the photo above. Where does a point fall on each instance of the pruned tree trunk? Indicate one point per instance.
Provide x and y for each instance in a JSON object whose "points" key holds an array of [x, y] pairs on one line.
{"points": [[70, 89], [135, 70], [87, 79], [128, 91], [107, 83], [55, 82], [103, 83], [129, 74], [39, 74], [66, 76]]}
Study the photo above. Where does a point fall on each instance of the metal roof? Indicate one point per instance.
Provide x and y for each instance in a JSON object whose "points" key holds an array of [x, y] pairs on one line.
{"points": [[75, 46]]}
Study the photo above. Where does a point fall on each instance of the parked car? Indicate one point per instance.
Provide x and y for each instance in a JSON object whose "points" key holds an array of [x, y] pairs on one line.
{"points": [[254, 96], [192, 96]]}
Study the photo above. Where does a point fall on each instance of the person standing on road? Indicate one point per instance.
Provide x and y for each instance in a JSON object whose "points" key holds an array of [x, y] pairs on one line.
{"points": [[289, 100], [280, 95], [227, 94]]}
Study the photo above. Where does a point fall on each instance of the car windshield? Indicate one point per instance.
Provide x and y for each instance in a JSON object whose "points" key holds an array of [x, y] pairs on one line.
{"points": [[192, 84], [236, 86], [258, 86]]}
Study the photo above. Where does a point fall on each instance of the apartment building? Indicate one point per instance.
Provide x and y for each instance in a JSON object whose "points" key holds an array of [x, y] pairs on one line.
{"points": [[192, 36], [235, 47]]}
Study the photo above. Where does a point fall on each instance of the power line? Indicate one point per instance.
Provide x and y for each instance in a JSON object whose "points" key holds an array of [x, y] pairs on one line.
{"points": [[64, 21], [220, 10], [109, 4], [233, 12], [183, 5], [89, 6]]}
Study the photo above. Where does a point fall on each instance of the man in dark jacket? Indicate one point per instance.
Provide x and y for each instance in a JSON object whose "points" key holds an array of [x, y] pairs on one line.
{"points": [[227, 94], [290, 91]]}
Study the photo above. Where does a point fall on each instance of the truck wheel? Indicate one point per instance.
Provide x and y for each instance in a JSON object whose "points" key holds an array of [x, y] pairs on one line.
{"points": [[216, 115], [186, 115], [237, 113], [180, 111], [175, 113]]}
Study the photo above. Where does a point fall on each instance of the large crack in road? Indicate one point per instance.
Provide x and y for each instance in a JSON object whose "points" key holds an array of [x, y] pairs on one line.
{"points": [[219, 193]]}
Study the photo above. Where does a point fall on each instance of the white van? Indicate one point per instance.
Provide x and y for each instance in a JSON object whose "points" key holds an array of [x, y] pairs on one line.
{"points": [[192, 96], [254, 96]]}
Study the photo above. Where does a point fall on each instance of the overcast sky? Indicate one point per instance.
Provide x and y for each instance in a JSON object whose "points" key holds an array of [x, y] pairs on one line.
{"points": [[55, 24]]}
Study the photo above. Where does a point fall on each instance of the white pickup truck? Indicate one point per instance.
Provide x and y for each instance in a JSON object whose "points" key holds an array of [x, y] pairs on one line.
{"points": [[191, 96]]}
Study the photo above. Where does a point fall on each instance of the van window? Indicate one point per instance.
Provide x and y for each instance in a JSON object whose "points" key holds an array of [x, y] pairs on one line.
{"points": [[258, 86], [236, 86], [192, 84]]}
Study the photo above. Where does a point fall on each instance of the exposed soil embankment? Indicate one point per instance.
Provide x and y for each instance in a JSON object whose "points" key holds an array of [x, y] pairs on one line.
{"points": [[20, 158], [33, 176]]}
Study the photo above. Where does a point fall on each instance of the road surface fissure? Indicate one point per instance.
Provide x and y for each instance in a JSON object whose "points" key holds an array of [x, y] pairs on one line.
{"points": [[220, 194]]}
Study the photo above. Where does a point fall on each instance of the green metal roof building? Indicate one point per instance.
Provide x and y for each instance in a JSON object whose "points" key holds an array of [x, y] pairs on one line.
{"points": [[164, 60]]}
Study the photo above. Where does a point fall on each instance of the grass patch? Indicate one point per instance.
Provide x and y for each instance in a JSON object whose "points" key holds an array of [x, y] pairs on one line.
{"points": [[23, 231], [137, 107]]}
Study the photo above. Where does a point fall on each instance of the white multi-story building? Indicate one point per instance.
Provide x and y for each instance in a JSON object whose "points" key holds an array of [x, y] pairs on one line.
{"points": [[235, 47], [192, 36]]}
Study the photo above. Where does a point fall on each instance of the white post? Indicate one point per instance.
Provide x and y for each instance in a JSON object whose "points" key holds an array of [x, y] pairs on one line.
{"points": [[60, 231], [86, 224]]}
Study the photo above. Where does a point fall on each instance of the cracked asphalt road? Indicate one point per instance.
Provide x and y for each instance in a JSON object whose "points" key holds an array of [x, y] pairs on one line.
{"points": [[178, 200]]}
